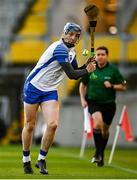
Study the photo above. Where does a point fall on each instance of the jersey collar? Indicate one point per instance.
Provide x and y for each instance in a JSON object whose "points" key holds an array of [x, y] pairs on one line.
{"points": [[107, 64]]}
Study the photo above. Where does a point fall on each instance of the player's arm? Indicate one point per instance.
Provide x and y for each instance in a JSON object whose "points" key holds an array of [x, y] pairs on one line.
{"points": [[73, 73], [61, 56], [75, 65], [116, 87], [77, 73], [119, 87], [82, 92], [119, 83]]}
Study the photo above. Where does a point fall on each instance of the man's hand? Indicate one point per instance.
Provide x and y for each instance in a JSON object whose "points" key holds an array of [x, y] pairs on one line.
{"points": [[116, 87], [91, 66], [91, 59], [84, 103], [108, 84]]}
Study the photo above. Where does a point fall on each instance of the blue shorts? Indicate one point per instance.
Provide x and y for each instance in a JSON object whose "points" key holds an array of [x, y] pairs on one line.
{"points": [[32, 95]]}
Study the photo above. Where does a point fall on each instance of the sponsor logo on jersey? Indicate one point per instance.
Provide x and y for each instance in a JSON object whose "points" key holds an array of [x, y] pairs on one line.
{"points": [[93, 76], [107, 77]]}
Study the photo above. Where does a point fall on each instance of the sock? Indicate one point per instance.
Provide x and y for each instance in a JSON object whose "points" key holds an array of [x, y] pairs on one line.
{"points": [[42, 155], [97, 140], [26, 156], [104, 142]]}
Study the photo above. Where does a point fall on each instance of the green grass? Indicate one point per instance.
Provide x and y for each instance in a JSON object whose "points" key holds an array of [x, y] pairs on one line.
{"points": [[65, 163]]}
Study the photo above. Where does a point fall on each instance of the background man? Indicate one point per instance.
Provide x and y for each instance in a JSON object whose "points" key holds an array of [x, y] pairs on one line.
{"points": [[98, 92]]}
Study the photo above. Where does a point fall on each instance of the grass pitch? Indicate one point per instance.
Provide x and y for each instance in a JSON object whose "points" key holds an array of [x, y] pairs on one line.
{"points": [[65, 163]]}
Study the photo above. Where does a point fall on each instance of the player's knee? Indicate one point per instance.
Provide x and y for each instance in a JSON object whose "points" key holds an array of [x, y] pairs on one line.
{"points": [[30, 126], [53, 126], [105, 133], [98, 126], [105, 130]]}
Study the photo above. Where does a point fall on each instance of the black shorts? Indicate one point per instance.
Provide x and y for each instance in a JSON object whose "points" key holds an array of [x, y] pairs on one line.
{"points": [[107, 109]]}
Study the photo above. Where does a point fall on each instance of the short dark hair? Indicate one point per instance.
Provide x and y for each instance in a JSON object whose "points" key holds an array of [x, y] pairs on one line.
{"points": [[103, 48]]}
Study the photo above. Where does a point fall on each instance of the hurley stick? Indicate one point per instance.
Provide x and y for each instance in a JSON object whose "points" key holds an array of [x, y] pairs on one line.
{"points": [[92, 12]]}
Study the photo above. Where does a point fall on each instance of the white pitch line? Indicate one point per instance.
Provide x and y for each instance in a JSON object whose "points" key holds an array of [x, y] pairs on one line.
{"points": [[114, 166], [124, 169]]}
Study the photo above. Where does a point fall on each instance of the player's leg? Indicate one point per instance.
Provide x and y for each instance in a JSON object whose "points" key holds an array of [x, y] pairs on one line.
{"points": [[30, 112], [97, 134], [105, 136], [50, 111], [108, 112], [95, 111]]}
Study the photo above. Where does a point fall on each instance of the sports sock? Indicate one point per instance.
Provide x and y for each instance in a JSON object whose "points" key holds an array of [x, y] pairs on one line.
{"points": [[42, 155], [97, 140], [104, 142], [26, 156]]}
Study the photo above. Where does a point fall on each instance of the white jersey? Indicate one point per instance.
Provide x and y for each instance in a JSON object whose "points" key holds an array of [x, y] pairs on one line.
{"points": [[48, 73]]}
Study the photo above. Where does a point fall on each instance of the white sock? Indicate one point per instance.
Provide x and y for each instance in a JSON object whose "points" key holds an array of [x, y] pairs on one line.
{"points": [[26, 159], [41, 157]]}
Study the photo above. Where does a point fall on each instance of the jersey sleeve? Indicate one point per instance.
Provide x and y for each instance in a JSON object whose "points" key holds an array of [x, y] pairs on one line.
{"points": [[61, 54], [118, 78], [85, 79]]}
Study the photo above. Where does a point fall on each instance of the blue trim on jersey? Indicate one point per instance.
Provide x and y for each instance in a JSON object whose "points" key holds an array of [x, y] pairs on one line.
{"points": [[61, 54], [32, 95]]}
